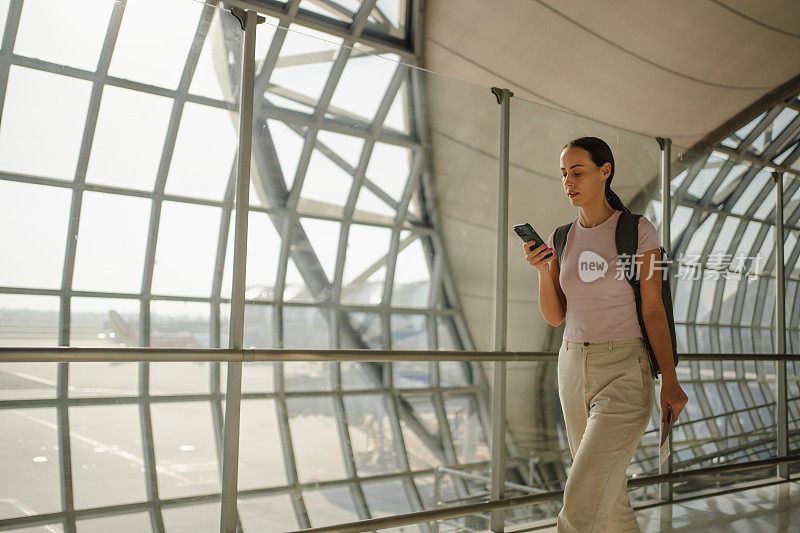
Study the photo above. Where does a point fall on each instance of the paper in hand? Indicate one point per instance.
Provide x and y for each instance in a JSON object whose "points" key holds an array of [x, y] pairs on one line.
{"points": [[665, 436]]}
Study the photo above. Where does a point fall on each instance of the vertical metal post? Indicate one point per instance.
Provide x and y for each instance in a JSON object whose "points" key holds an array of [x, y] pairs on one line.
{"points": [[501, 296], [665, 488], [781, 418], [233, 397]]}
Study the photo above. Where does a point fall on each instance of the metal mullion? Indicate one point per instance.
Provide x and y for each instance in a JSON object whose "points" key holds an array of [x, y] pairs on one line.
{"points": [[345, 166], [342, 426], [446, 436], [691, 173], [233, 398], [769, 117], [285, 227], [344, 232], [65, 449], [289, 461], [781, 390], [790, 130], [310, 136], [7, 46], [328, 25], [189, 68], [106, 79], [215, 402], [355, 128], [65, 460], [148, 449], [409, 486], [720, 212]]}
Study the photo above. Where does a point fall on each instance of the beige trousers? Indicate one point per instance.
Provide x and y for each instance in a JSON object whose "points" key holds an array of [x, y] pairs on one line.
{"points": [[607, 393]]}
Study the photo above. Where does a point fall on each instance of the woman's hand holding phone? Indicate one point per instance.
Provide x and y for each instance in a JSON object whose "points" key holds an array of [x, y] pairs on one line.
{"points": [[536, 257]]}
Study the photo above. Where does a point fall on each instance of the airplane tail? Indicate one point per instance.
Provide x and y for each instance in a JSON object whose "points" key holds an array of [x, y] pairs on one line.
{"points": [[122, 329]]}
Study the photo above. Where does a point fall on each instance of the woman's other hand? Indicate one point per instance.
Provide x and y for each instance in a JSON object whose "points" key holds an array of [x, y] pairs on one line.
{"points": [[672, 394], [536, 258]]}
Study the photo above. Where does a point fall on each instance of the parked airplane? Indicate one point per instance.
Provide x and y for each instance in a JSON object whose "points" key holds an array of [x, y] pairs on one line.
{"points": [[124, 333]]}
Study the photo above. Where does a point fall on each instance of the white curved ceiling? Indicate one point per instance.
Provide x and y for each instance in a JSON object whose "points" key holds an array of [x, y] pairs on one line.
{"points": [[674, 69]]}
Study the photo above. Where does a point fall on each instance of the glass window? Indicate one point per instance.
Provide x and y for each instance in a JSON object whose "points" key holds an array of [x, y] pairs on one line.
{"points": [[317, 449], [106, 446], [288, 145], [28, 320], [125, 522], [104, 322], [261, 461], [306, 376], [154, 41], [374, 448], [387, 498], [186, 250], [420, 455], [202, 518], [179, 324], [701, 235], [411, 275], [755, 186], [326, 184], [729, 184], [304, 64], [369, 204], [707, 175], [363, 84], [206, 81], [366, 329], [397, 118], [329, 506], [185, 449], [128, 139], [43, 34], [204, 154], [465, 426], [305, 328], [340, 9], [112, 238], [34, 123], [389, 16], [389, 168], [258, 377], [365, 264], [267, 513], [22, 381], [452, 374], [3, 15], [409, 332], [38, 215], [263, 253], [29, 441], [445, 334], [348, 147], [258, 326], [323, 236]]}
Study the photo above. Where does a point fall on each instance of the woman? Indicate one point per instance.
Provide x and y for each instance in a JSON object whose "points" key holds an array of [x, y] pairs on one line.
{"points": [[605, 383]]}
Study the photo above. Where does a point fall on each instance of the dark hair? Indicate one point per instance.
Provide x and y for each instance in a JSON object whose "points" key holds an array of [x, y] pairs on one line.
{"points": [[600, 152]]}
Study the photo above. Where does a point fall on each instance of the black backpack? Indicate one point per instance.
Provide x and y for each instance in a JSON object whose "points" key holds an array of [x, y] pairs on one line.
{"points": [[627, 239]]}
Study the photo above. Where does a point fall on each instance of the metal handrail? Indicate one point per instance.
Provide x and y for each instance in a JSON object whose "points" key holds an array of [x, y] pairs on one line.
{"points": [[530, 499], [77, 355]]}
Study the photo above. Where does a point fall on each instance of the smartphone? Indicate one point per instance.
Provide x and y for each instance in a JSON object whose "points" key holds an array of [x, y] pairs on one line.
{"points": [[527, 234]]}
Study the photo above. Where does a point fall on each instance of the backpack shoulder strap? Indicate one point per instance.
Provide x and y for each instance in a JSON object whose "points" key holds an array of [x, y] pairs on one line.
{"points": [[560, 240], [627, 240]]}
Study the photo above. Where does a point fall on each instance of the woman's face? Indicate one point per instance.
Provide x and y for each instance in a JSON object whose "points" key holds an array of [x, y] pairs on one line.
{"points": [[584, 182]]}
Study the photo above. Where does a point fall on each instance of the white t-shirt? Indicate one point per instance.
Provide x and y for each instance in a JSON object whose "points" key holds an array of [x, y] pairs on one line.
{"points": [[600, 301]]}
